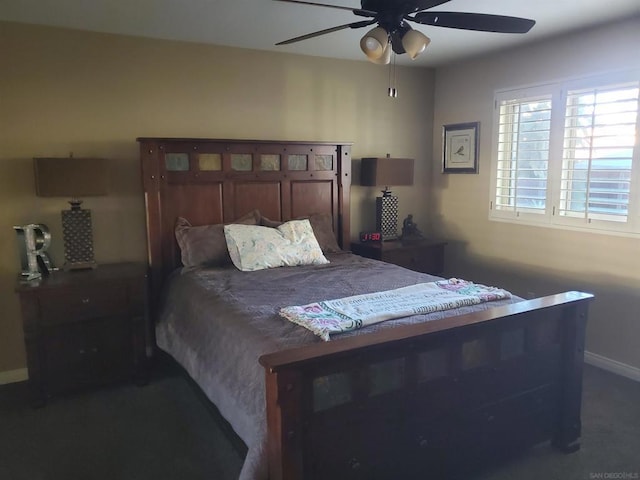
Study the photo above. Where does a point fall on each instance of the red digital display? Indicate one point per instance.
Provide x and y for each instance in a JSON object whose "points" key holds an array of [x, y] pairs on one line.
{"points": [[370, 237]]}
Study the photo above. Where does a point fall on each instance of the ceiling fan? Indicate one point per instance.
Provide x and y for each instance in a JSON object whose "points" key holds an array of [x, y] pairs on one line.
{"points": [[393, 33]]}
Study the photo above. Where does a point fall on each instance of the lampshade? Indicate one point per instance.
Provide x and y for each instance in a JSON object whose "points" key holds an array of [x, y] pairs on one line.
{"points": [[386, 171], [414, 43], [374, 43], [71, 177]]}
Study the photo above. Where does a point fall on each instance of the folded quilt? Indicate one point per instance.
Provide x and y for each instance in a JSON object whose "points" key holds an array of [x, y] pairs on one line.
{"points": [[350, 313]]}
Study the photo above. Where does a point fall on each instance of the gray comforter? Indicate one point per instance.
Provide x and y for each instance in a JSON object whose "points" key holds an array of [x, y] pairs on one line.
{"points": [[217, 322]]}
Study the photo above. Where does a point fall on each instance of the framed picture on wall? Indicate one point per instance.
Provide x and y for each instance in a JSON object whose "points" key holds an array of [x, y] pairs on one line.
{"points": [[460, 147]]}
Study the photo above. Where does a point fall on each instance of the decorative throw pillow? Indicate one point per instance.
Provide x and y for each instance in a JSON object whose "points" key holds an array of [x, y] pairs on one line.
{"points": [[322, 225], [205, 245], [257, 248]]}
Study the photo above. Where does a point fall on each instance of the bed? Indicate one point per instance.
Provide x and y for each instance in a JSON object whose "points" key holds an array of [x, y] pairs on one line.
{"points": [[439, 395]]}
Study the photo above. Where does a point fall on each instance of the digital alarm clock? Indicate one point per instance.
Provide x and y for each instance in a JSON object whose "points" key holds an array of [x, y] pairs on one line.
{"points": [[370, 236]]}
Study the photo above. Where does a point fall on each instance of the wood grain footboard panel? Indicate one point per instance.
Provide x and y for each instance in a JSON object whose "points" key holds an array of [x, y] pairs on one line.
{"points": [[444, 397]]}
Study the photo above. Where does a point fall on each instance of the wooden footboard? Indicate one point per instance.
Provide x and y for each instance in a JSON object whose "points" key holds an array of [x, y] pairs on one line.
{"points": [[443, 397]]}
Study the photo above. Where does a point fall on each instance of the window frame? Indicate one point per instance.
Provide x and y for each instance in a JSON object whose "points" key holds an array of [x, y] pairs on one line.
{"points": [[550, 217]]}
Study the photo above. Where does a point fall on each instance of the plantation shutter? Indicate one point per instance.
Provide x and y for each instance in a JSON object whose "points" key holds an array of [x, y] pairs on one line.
{"points": [[598, 149], [524, 129]]}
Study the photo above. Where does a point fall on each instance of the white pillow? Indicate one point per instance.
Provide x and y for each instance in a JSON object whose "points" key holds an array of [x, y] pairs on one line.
{"points": [[256, 247]]}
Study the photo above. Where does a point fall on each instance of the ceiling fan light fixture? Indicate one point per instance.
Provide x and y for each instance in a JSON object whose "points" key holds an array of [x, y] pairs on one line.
{"points": [[394, 35], [385, 59], [375, 43], [414, 43]]}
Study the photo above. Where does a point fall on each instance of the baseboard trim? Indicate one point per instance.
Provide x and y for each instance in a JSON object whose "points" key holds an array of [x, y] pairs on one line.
{"points": [[612, 366], [13, 376]]}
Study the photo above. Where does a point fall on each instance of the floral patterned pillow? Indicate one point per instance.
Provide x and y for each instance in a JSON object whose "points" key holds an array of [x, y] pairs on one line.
{"points": [[257, 248], [322, 225]]}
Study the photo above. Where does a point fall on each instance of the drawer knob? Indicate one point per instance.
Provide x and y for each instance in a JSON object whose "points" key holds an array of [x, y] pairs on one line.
{"points": [[354, 463], [81, 351], [85, 300]]}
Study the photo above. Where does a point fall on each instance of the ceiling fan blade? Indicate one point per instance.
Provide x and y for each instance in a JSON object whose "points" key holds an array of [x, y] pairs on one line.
{"points": [[358, 11], [475, 21], [364, 23], [419, 5]]}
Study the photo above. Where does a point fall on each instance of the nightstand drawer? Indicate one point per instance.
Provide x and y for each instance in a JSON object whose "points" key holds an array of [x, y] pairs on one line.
{"points": [[418, 259], [426, 256], [82, 303], [87, 353]]}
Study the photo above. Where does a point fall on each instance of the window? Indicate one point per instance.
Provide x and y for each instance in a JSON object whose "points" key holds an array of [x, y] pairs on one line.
{"points": [[567, 154]]}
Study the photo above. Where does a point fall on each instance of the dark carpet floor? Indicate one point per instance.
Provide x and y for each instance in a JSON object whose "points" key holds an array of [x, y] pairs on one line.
{"points": [[166, 431]]}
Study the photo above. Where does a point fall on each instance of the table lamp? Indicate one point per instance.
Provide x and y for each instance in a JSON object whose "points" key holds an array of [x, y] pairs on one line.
{"points": [[387, 172], [73, 178]]}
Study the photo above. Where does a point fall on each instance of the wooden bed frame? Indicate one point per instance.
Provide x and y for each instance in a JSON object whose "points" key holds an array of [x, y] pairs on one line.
{"points": [[462, 392]]}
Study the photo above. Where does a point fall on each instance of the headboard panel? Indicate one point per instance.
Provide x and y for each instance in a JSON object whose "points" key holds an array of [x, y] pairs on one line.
{"points": [[211, 181]]}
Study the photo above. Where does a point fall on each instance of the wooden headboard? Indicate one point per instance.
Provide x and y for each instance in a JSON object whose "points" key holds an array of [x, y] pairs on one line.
{"points": [[210, 181]]}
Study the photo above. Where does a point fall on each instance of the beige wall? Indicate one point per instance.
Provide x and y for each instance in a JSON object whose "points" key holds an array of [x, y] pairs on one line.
{"points": [[65, 91], [535, 259]]}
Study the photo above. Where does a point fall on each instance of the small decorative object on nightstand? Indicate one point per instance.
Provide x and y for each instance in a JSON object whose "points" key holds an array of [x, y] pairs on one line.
{"points": [[410, 232], [84, 328], [33, 242], [424, 255]]}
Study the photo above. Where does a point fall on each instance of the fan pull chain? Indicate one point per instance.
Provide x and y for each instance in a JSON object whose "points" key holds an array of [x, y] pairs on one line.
{"points": [[393, 91]]}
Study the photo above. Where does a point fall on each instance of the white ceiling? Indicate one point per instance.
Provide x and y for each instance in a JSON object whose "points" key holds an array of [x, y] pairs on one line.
{"points": [[259, 24]]}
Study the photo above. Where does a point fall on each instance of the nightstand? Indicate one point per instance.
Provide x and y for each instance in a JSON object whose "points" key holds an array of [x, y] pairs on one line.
{"points": [[84, 328], [425, 256]]}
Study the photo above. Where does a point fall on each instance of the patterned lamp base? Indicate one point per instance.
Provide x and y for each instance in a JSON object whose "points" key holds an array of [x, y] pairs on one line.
{"points": [[78, 238], [387, 216]]}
